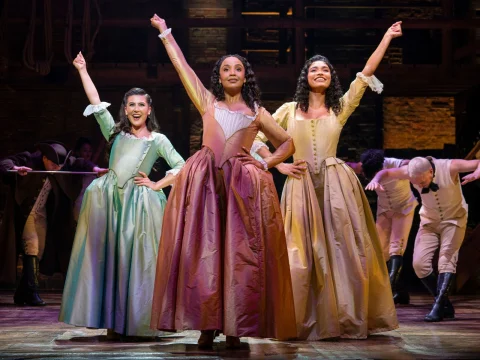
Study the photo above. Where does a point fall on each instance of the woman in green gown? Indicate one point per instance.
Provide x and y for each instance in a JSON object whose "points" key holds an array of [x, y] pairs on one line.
{"points": [[110, 278]]}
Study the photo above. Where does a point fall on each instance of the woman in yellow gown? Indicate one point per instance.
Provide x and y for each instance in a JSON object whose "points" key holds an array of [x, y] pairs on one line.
{"points": [[340, 282]]}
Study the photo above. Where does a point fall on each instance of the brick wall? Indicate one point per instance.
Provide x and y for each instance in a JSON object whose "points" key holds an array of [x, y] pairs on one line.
{"points": [[419, 123]]}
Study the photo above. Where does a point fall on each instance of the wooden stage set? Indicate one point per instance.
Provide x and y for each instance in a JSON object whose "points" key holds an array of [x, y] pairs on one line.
{"points": [[35, 333]]}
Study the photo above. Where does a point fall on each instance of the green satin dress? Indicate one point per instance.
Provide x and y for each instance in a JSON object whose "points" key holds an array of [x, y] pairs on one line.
{"points": [[110, 277]]}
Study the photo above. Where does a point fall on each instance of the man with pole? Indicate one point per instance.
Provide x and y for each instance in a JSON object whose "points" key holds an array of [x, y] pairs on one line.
{"points": [[38, 218]]}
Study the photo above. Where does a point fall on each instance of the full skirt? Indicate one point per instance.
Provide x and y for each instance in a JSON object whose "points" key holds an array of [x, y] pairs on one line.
{"points": [[223, 261], [110, 278]]}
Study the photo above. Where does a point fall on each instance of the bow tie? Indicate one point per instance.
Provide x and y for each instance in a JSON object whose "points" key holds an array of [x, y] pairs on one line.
{"points": [[434, 187]]}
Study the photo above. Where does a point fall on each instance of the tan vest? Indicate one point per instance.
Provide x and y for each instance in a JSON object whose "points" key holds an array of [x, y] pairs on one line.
{"points": [[447, 204], [398, 196]]}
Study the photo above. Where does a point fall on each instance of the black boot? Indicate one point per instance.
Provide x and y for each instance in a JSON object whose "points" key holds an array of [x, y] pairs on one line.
{"points": [[449, 310], [437, 313], [395, 269], [27, 292], [430, 283]]}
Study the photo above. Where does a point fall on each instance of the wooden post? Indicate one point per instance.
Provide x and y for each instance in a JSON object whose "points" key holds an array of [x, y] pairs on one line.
{"points": [[447, 45], [299, 37], [234, 36]]}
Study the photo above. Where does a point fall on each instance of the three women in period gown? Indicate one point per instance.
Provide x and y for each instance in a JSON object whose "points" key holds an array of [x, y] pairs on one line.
{"points": [[340, 282], [224, 263]]}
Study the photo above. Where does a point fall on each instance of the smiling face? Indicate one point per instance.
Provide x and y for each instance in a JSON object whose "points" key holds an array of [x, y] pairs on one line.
{"points": [[137, 110], [232, 74], [423, 180], [319, 76]]}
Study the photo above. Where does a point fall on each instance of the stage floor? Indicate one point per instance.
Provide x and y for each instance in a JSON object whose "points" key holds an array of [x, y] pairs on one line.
{"points": [[35, 333]]}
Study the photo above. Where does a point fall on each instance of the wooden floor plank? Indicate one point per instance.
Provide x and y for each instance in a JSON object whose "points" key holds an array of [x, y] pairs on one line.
{"points": [[35, 333]]}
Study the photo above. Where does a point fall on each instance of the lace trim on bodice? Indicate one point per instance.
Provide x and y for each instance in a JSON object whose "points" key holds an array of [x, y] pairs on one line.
{"points": [[232, 121]]}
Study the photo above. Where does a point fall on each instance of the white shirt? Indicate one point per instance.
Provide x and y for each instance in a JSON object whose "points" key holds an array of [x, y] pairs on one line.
{"points": [[398, 195], [447, 204]]}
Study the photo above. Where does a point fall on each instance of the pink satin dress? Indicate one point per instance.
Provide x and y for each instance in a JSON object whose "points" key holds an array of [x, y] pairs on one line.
{"points": [[223, 260]]}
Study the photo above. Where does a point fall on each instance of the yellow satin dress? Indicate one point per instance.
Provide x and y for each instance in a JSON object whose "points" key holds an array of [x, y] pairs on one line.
{"points": [[340, 282]]}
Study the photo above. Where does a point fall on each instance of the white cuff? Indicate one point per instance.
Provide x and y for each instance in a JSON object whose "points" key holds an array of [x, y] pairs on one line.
{"points": [[174, 172], [95, 108], [372, 82], [164, 34], [257, 145]]}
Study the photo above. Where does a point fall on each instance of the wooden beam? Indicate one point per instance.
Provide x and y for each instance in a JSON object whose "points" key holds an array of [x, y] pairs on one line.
{"points": [[277, 23], [447, 42], [299, 15], [473, 154], [399, 80]]}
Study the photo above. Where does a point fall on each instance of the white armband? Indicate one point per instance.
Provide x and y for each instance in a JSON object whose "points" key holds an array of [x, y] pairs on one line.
{"points": [[164, 34]]}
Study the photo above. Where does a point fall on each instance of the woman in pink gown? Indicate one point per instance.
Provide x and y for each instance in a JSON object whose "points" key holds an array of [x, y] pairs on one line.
{"points": [[223, 261]]}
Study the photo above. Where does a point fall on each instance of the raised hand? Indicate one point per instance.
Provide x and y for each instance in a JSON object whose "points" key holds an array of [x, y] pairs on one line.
{"points": [[295, 170], [144, 181], [395, 30], [79, 62], [158, 23], [471, 177]]}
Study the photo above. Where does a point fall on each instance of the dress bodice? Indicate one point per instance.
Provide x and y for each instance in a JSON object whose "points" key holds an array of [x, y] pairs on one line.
{"points": [[226, 132], [129, 156], [317, 139]]}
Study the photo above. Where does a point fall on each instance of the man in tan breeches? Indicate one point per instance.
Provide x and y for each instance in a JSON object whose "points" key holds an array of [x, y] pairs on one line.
{"points": [[443, 219], [395, 209]]}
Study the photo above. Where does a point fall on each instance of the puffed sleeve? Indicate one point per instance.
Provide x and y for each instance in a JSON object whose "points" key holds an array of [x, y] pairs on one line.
{"points": [[351, 99], [281, 116], [167, 151], [103, 116]]}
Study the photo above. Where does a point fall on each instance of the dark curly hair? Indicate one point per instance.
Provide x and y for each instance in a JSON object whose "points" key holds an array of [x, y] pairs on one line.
{"points": [[250, 90], [372, 162], [124, 124], [333, 94]]}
